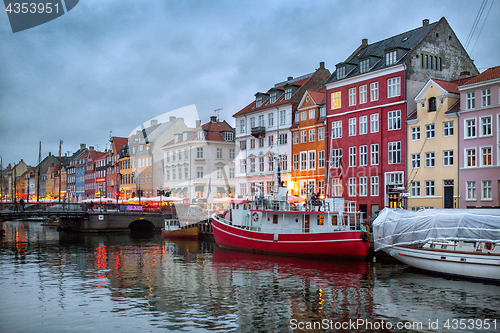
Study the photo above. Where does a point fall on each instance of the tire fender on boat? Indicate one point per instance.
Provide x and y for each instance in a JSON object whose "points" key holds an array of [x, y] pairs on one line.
{"points": [[364, 237], [255, 216]]}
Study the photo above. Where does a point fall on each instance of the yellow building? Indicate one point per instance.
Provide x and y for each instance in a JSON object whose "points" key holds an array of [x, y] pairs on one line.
{"points": [[432, 155]]}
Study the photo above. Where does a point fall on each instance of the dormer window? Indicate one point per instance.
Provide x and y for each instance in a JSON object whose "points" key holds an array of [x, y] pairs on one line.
{"points": [[288, 93], [258, 101], [340, 73], [228, 136], [432, 104], [364, 65], [390, 58], [273, 97], [199, 135]]}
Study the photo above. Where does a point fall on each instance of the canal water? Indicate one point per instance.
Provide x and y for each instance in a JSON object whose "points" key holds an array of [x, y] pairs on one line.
{"points": [[56, 282]]}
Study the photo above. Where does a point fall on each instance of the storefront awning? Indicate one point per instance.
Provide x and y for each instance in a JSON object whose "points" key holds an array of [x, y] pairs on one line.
{"points": [[184, 189], [199, 188], [221, 189]]}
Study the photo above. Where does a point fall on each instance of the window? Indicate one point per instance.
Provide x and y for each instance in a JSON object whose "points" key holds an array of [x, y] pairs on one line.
{"points": [[470, 157], [261, 142], [295, 138], [321, 159], [364, 65], [362, 94], [270, 119], [219, 153], [393, 87], [374, 123], [303, 136], [242, 125], [231, 154], [252, 122], [295, 161], [340, 73], [231, 173], [390, 58], [252, 165], [272, 98], [303, 115], [243, 166], [429, 188], [336, 187], [322, 111], [470, 100], [312, 134], [448, 128], [271, 163], [394, 120], [486, 190], [352, 96], [261, 120], [430, 160], [470, 128], [352, 186], [167, 175], [352, 156], [363, 186], [485, 126], [374, 154], [186, 173], [363, 125], [430, 132], [336, 158], [252, 143], [283, 139], [415, 189], [394, 152], [485, 97], [374, 91], [448, 158], [352, 126], [219, 173], [271, 140], [243, 189], [243, 145], [321, 133], [283, 162], [283, 117], [363, 155], [471, 190], [432, 104], [335, 100], [336, 129], [415, 161], [288, 93], [312, 113], [415, 133], [321, 187], [199, 172], [303, 161], [199, 152], [261, 164], [486, 156], [296, 117], [312, 160], [374, 186]]}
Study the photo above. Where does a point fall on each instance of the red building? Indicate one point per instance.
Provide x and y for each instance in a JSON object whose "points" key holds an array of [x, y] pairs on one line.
{"points": [[113, 166], [91, 186], [368, 98]]}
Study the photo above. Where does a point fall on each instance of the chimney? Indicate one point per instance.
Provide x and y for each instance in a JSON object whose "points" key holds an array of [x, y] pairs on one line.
{"points": [[425, 22], [154, 122], [83, 146], [322, 65], [290, 78], [91, 148], [213, 119], [364, 42], [172, 118], [50, 154], [198, 123]]}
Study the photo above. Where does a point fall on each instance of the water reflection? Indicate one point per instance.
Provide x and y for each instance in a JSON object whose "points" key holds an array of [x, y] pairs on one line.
{"points": [[81, 282]]}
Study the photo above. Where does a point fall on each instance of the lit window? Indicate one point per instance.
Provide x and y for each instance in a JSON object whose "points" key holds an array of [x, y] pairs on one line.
{"points": [[362, 94], [335, 100]]}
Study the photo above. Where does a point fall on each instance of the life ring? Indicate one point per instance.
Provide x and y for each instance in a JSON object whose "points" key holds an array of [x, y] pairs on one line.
{"points": [[294, 206], [255, 216], [364, 237]]}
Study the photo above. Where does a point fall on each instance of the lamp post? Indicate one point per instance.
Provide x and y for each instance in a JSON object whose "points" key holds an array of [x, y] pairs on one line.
{"points": [[60, 168], [1, 181]]}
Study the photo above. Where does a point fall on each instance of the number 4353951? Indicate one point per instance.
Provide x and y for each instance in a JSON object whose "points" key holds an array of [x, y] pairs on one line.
{"points": [[32, 8]]}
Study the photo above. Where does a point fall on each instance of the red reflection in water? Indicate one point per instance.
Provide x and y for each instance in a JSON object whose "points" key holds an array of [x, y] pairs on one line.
{"points": [[101, 264]]}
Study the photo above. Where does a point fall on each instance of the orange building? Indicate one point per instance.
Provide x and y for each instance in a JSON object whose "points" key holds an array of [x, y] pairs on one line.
{"points": [[308, 143]]}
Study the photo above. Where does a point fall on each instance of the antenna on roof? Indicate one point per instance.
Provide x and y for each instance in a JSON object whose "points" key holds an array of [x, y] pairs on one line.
{"points": [[217, 112]]}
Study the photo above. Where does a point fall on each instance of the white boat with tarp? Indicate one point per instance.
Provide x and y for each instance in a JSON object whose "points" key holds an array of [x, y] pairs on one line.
{"points": [[461, 242]]}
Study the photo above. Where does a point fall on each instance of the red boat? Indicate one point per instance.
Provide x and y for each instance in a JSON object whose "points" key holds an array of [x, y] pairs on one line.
{"points": [[316, 228]]}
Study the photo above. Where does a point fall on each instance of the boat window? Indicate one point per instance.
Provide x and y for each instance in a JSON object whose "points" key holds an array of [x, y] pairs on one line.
{"points": [[245, 206], [237, 206], [275, 219], [334, 220], [321, 220], [346, 219]]}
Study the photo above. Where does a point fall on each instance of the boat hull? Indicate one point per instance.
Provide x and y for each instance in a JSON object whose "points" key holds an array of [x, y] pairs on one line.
{"points": [[186, 233], [471, 265], [341, 244]]}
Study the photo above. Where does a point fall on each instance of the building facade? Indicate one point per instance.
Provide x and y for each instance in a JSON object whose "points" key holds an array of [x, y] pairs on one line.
{"points": [[479, 140]]}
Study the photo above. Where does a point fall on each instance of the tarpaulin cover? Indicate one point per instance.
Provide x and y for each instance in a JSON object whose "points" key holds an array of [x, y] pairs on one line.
{"points": [[404, 227]]}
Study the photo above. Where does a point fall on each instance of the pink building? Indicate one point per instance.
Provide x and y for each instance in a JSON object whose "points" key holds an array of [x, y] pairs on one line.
{"points": [[479, 140]]}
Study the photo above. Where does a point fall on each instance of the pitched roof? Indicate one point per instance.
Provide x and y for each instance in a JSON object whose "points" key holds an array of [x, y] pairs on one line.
{"points": [[406, 40], [213, 132], [448, 86], [319, 97], [488, 75]]}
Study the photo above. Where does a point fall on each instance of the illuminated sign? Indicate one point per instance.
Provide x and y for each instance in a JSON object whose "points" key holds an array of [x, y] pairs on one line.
{"points": [[100, 180]]}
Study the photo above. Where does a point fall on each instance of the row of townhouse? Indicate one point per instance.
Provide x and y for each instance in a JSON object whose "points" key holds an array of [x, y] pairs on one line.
{"points": [[345, 132]]}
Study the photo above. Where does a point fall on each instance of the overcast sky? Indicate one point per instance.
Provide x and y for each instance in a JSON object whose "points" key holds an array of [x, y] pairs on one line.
{"points": [[111, 65]]}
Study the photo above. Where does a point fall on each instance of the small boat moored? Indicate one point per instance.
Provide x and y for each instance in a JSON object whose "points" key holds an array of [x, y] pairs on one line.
{"points": [[460, 242], [173, 230]]}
